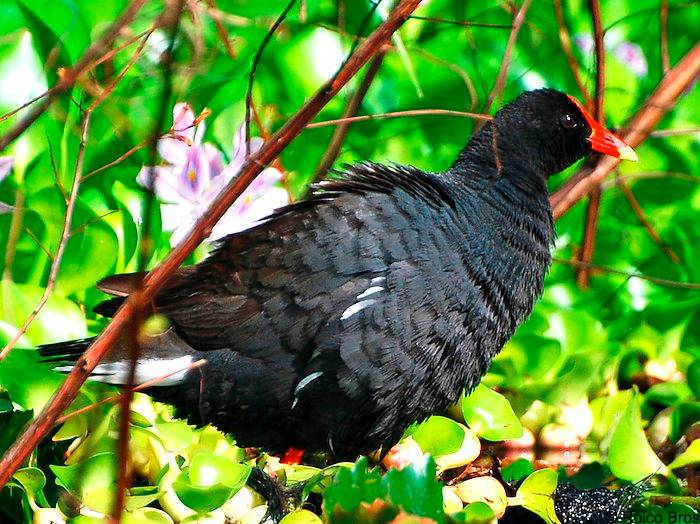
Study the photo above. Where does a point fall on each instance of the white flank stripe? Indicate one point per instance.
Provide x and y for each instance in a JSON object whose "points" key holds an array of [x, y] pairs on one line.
{"points": [[377, 280], [370, 291], [118, 372], [356, 308], [306, 381]]}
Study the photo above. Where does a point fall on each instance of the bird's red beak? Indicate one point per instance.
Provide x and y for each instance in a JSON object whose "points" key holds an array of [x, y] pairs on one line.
{"points": [[603, 140]]}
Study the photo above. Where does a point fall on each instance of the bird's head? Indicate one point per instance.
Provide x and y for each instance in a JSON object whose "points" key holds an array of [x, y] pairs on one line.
{"points": [[556, 129]]}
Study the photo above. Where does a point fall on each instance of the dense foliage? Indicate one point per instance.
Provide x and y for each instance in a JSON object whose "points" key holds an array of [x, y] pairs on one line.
{"points": [[610, 373]]}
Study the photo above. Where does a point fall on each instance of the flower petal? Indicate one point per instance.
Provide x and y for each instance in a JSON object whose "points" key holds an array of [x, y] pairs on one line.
{"points": [[173, 151], [5, 166], [165, 184], [246, 212], [183, 121], [239, 149], [174, 215]]}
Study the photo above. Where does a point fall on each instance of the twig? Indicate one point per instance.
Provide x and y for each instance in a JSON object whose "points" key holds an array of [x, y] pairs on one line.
{"points": [[118, 160], [463, 23], [42, 424], [13, 235], [220, 29], [655, 280], [639, 213], [56, 263], [663, 44], [399, 114], [583, 278], [342, 130], [565, 40], [254, 69], [634, 133], [71, 74], [674, 132], [500, 82]]}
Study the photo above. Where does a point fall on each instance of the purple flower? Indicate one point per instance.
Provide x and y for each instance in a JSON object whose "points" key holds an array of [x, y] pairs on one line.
{"points": [[633, 57], [585, 43], [195, 174], [5, 168]]}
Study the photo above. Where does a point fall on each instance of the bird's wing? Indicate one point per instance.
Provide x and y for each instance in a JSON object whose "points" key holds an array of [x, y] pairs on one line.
{"points": [[270, 289]]}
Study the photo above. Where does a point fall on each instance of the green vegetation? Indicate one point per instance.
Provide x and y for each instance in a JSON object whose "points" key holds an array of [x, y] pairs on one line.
{"points": [[609, 371]]}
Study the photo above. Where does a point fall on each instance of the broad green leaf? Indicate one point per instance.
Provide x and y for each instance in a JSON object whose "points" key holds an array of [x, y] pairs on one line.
{"points": [[688, 457], [536, 493], [93, 481], [490, 415], [439, 436], [693, 377], [208, 469], [301, 516], [630, 456], [32, 481], [478, 513]]}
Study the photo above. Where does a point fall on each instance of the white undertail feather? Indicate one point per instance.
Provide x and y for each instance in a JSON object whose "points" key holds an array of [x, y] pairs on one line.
{"points": [[118, 372]]}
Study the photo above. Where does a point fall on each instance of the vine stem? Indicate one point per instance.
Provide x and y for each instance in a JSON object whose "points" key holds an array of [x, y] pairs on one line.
{"points": [[37, 430]]}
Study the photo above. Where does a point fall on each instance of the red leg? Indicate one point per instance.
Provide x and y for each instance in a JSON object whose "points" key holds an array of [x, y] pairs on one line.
{"points": [[292, 456]]}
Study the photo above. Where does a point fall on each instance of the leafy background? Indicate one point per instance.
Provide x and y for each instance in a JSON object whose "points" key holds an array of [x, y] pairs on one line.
{"points": [[610, 372]]}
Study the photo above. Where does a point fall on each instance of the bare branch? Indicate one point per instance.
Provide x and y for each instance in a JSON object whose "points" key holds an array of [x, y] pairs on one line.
{"points": [[399, 114], [500, 82], [342, 130], [565, 40]]}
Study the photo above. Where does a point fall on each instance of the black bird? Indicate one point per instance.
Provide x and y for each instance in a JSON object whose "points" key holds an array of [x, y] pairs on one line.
{"points": [[342, 318]]}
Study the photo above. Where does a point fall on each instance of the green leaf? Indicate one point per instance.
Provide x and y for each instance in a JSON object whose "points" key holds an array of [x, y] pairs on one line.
{"points": [[146, 516], [536, 493], [208, 469], [439, 436], [688, 457], [415, 489], [683, 416], [201, 499], [32, 481], [667, 393], [92, 481], [141, 496], [301, 516], [693, 377], [478, 513], [630, 456], [491, 415], [517, 470]]}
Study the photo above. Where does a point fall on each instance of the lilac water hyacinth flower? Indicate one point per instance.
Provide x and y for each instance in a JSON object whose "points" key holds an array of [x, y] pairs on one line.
{"points": [[631, 55], [5, 168], [195, 174]]}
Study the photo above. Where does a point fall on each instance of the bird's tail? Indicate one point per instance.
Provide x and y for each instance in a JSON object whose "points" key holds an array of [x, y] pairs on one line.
{"points": [[165, 360]]}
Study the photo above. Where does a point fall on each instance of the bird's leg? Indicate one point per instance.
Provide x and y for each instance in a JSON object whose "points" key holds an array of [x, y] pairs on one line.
{"points": [[292, 456]]}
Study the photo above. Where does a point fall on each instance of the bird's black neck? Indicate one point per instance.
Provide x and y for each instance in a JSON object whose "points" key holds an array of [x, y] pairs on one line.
{"points": [[489, 164]]}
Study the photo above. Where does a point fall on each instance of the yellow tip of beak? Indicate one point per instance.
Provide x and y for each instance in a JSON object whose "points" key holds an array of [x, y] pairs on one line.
{"points": [[627, 153]]}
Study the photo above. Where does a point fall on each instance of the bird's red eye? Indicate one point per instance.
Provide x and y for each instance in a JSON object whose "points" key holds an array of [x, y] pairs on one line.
{"points": [[567, 121]]}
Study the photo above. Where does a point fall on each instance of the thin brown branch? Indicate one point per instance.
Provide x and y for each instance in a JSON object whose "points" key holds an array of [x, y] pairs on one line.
{"points": [[565, 40], [118, 160], [36, 240], [500, 82], [35, 432], [65, 234], [635, 132], [654, 280], [13, 235], [641, 216], [583, 278], [463, 23], [674, 132], [70, 75], [353, 105], [663, 43], [221, 30], [399, 114]]}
